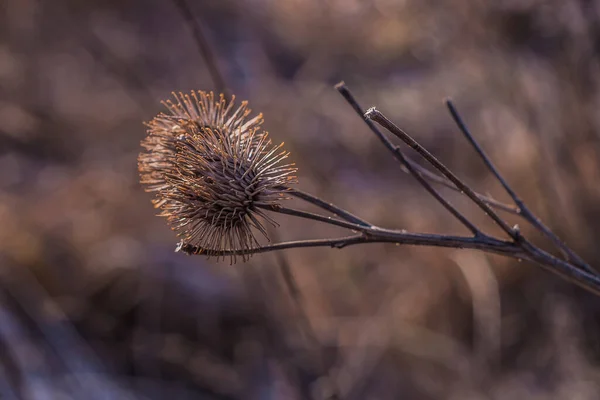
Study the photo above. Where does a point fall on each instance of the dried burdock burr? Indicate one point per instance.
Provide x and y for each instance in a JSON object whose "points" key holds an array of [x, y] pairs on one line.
{"points": [[212, 170]]}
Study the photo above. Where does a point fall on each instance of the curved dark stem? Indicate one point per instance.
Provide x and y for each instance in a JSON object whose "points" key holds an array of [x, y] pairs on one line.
{"points": [[377, 116], [203, 47], [523, 210]]}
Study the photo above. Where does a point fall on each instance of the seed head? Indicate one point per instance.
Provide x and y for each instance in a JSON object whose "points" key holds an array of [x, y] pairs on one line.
{"points": [[211, 170]]}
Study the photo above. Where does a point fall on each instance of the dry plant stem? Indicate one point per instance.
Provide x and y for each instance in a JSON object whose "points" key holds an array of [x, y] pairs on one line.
{"points": [[399, 155], [377, 116], [332, 208], [378, 235], [590, 282], [525, 250], [440, 180], [523, 210], [316, 217], [349, 97], [203, 47], [370, 234], [518, 250], [457, 214]]}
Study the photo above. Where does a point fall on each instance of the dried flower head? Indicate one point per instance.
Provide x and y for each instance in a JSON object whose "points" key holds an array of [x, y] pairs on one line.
{"points": [[212, 170]]}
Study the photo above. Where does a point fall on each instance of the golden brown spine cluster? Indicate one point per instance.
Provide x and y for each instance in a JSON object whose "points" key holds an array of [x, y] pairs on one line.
{"points": [[212, 169]]}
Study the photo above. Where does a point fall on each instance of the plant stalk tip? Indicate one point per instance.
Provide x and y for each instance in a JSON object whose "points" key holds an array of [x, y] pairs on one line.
{"points": [[371, 112]]}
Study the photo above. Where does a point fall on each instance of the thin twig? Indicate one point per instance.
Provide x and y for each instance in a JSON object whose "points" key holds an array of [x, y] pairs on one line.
{"points": [[523, 210], [445, 203], [349, 97], [332, 208], [440, 180], [204, 48], [316, 217], [486, 243], [479, 150], [399, 155], [524, 250], [377, 116]]}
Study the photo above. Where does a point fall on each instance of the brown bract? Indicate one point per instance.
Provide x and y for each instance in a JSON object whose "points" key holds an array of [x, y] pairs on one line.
{"points": [[212, 169]]}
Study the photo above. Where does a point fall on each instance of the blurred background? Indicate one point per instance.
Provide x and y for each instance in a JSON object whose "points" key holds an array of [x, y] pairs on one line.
{"points": [[94, 303]]}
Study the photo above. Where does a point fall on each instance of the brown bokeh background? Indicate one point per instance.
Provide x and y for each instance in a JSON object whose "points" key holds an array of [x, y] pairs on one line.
{"points": [[96, 303]]}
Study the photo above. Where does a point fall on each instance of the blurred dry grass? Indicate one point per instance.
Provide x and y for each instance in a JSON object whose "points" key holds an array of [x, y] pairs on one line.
{"points": [[82, 253]]}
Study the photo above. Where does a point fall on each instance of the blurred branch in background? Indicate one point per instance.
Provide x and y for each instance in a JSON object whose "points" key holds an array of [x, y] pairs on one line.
{"points": [[204, 48]]}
